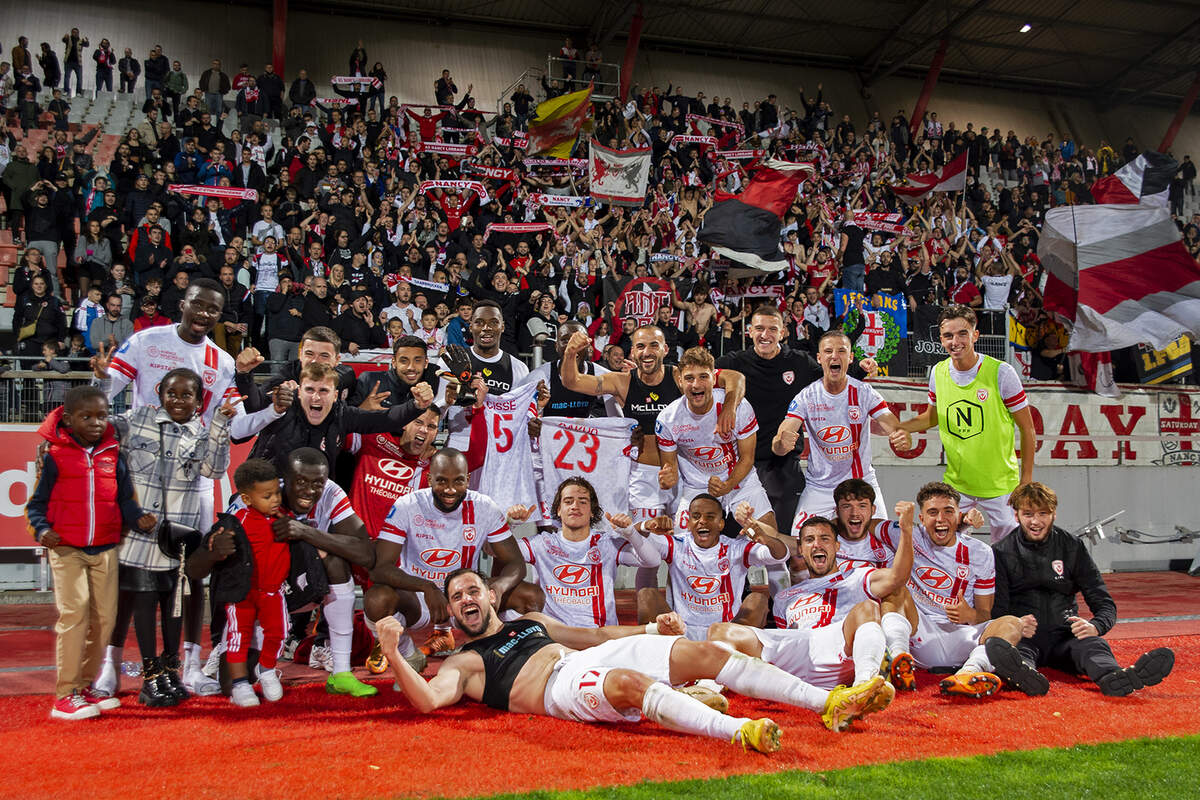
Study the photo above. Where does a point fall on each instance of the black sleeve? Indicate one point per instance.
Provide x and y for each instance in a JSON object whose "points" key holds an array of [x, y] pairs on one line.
{"points": [[1000, 602], [1090, 584], [392, 420]]}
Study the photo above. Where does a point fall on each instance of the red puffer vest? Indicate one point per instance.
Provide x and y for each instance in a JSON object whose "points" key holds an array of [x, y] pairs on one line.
{"points": [[83, 506]]}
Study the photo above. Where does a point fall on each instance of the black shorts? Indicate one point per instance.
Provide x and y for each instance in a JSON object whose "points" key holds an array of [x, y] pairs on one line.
{"points": [[137, 579]]}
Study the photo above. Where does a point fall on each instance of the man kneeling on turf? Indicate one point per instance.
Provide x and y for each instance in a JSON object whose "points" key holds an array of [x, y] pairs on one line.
{"points": [[1039, 571], [530, 666]]}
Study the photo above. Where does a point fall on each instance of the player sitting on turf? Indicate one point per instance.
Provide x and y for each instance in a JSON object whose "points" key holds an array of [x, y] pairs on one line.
{"points": [[1039, 572], [530, 666], [573, 570], [706, 573], [827, 626], [952, 588], [428, 534], [696, 455]]}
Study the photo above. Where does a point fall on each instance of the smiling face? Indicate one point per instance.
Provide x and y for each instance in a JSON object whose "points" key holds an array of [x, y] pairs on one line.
{"points": [[200, 310], [834, 356], [766, 330], [706, 520], [317, 399], [818, 548], [448, 478], [697, 387], [410, 364], [575, 508], [471, 603], [1036, 521], [303, 484], [486, 326], [958, 339], [648, 347], [180, 398], [939, 515]]}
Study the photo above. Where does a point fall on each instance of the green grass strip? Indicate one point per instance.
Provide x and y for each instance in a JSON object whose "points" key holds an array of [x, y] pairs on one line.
{"points": [[1139, 769]]}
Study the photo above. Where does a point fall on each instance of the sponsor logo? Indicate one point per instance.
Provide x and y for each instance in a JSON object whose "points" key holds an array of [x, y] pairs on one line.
{"points": [[397, 470], [834, 434], [439, 557], [933, 577], [788, 377], [572, 573], [703, 584], [652, 398]]}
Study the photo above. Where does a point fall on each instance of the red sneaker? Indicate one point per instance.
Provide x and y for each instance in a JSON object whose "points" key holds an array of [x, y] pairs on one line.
{"points": [[100, 699], [73, 706]]}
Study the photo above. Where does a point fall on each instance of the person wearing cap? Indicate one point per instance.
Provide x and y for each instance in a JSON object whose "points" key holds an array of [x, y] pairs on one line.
{"points": [[150, 317], [357, 325]]}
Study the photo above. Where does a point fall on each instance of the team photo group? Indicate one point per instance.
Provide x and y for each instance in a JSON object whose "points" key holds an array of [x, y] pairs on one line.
{"points": [[477, 512]]}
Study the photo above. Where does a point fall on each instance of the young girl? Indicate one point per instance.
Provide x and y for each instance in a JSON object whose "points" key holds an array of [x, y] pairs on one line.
{"points": [[168, 450]]}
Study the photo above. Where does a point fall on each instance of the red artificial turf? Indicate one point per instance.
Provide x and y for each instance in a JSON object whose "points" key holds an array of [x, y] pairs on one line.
{"points": [[311, 744]]}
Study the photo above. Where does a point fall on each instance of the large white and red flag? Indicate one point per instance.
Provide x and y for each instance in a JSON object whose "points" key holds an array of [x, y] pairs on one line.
{"points": [[619, 177], [919, 185]]}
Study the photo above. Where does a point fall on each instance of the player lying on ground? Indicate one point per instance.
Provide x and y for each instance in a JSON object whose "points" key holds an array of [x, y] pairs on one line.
{"points": [[530, 666]]}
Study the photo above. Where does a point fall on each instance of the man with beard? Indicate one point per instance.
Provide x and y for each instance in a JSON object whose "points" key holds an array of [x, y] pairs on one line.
{"points": [[323, 517], [1040, 569], [836, 413], [427, 535], [530, 666], [410, 366], [143, 360], [827, 625]]}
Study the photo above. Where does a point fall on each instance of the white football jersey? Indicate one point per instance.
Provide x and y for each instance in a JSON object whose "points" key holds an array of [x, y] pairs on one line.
{"points": [[876, 549], [507, 469], [578, 577], [437, 542], [838, 430], [331, 507], [939, 574], [706, 586], [148, 355], [818, 602], [702, 452], [592, 448]]}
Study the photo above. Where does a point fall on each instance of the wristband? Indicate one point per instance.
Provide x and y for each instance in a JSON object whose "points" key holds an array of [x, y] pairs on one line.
{"points": [[652, 629]]}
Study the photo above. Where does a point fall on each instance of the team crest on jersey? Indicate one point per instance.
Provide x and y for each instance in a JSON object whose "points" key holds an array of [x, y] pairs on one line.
{"points": [[854, 413], [723, 565], [210, 377], [1057, 566], [962, 571], [788, 376], [593, 555], [468, 533], [982, 394], [879, 553]]}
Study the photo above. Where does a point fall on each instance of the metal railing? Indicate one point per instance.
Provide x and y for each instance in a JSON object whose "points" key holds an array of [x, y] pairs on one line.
{"points": [[576, 75]]}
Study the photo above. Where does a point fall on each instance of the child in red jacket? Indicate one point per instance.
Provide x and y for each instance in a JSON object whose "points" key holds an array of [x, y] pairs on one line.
{"points": [[82, 502]]}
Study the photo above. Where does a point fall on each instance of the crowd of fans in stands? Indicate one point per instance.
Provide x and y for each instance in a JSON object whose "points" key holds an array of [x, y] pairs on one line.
{"points": [[341, 223]]}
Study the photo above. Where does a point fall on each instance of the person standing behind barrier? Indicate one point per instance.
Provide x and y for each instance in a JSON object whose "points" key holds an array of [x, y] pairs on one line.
{"points": [[974, 401]]}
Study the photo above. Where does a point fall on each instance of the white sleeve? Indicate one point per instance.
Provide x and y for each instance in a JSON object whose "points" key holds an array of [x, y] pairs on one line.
{"points": [[759, 555], [745, 423], [1011, 389], [520, 370], [640, 552], [245, 425]]}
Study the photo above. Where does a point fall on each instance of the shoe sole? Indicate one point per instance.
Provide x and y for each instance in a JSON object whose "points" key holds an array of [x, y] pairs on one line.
{"points": [[852, 707], [902, 673], [74, 715], [881, 700], [979, 687], [108, 704], [714, 700], [1152, 667], [1008, 666]]}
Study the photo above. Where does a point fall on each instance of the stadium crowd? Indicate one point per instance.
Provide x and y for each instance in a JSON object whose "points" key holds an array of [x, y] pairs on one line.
{"points": [[339, 226]]}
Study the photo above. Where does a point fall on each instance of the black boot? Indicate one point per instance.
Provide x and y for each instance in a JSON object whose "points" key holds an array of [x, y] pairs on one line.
{"points": [[170, 680], [152, 693]]}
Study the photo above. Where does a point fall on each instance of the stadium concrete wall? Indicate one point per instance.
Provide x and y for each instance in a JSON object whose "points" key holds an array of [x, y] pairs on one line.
{"points": [[414, 54]]}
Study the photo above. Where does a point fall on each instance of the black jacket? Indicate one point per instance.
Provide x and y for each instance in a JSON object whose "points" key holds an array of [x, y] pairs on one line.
{"points": [[770, 386], [389, 381], [1042, 579], [292, 430], [256, 394]]}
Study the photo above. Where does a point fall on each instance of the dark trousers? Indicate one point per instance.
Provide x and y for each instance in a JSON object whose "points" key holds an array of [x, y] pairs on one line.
{"points": [[1057, 648], [782, 479]]}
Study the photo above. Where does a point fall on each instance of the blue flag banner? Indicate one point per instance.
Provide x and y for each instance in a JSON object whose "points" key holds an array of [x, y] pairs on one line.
{"points": [[885, 325]]}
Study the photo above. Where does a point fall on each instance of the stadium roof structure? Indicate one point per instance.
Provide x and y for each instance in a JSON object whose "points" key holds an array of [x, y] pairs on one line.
{"points": [[1112, 51]]}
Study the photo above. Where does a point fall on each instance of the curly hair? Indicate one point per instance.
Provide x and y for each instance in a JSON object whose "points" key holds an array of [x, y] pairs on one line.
{"points": [[592, 498]]}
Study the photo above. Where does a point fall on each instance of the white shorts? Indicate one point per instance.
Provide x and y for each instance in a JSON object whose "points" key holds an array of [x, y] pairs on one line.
{"points": [[750, 491], [817, 501], [938, 642], [646, 498], [425, 620], [575, 690], [1000, 515], [817, 656]]}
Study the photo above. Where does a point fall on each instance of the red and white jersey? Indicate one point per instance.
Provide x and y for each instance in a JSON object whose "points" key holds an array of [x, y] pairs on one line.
{"points": [[438, 542], [818, 602], [578, 577], [385, 472], [702, 452], [331, 507], [940, 574], [706, 585], [151, 353], [507, 469], [434, 340], [876, 549], [838, 428]]}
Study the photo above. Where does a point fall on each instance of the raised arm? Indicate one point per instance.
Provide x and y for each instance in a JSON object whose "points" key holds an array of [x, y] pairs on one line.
{"points": [[611, 383], [884, 582]]}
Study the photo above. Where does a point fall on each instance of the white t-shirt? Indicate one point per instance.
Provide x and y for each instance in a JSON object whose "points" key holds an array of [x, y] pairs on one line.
{"points": [[1010, 384], [838, 430], [995, 291], [438, 542], [267, 269], [703, 453]]}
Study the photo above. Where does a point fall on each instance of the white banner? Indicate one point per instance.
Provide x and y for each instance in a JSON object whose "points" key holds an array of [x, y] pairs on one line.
{"points": [[1146, 427], [619, 177]]}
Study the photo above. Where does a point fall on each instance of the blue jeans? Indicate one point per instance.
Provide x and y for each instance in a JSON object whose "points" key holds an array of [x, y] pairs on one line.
{"points": [[104, 78], [215, 103], [68, 69], [854, 277], [151, 85]]}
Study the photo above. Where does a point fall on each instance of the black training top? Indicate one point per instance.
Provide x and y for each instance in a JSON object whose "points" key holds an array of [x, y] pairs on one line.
{"points": [[644, 403], [504, 653]]}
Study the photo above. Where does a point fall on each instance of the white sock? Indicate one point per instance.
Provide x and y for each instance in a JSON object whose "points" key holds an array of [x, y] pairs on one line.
{"points": [[754, 677], [339, 615], [977, 661], [869, 647], [897, 630], [191, 657], [678, 712], [109, 678], [371, 626]]}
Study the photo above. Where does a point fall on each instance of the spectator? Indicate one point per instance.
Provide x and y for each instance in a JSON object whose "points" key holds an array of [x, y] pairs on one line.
{"points": [[112, 329], [129, 70], [38, 319], [51, 72], [150, 317], [302, 92], [105, 60], [156, 68], [215, 84], [175, 86]]}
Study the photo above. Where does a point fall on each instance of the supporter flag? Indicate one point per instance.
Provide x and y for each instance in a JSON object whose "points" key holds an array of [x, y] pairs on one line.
{"points": [[1143, 180], [556, 126], [745, 227], [950, 178], [619, 177]]}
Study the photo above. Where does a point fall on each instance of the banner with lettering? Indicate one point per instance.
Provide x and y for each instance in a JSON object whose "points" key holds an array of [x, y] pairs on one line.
{"points": [[886, 325]]}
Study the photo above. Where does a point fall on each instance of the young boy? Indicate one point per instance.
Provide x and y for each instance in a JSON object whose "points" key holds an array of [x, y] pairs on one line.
{"points": [[249, 582], [395, 329], [429, 332], [82, 502]]}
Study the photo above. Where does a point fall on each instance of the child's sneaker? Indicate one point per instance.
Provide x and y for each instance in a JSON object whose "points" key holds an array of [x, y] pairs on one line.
{"points": [[100, 699], [320, 657], [243, 695], [268, 681], [212, 664], [73, 706]]}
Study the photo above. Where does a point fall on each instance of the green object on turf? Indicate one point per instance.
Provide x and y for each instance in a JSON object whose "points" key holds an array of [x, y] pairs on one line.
{"points": [[346, 683], [1138, 769]]}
